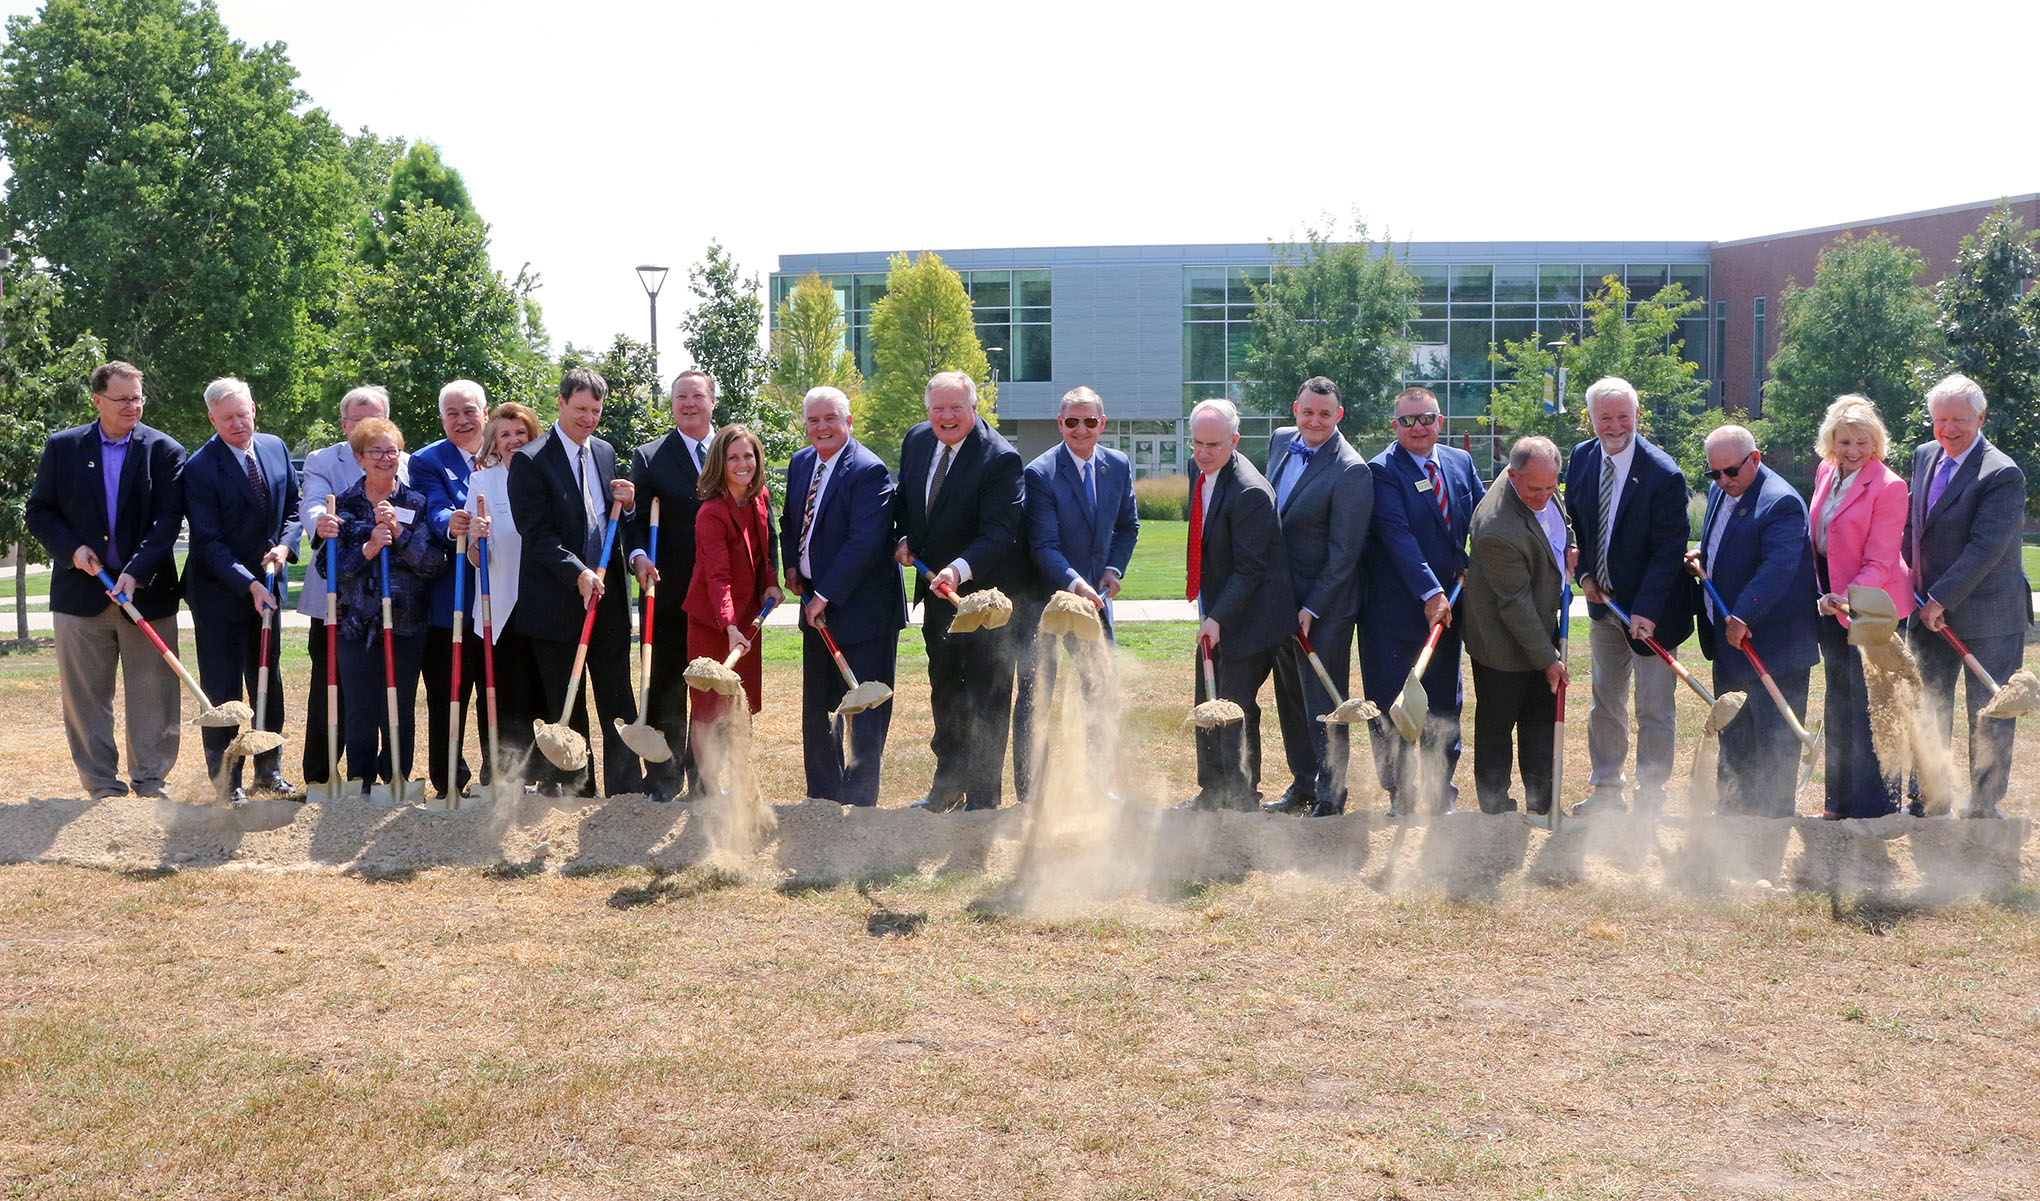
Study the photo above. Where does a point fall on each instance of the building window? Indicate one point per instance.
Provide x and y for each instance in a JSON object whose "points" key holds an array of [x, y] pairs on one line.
{"points": [[1756, 405], [1012, 313], [1719, 374], [1218, 312]]}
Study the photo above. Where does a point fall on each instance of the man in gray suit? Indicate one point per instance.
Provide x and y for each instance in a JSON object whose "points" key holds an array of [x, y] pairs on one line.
{"points": [[1324, 495], [1963, 529]]}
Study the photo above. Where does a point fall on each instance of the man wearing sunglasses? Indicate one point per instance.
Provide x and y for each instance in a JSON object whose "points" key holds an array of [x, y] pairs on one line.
{"points": [[1755, 546], [1324, 495], [1424, 495]]}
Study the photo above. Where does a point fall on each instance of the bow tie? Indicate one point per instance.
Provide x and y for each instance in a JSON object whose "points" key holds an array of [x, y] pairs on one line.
{"points": [[1296, 447]]}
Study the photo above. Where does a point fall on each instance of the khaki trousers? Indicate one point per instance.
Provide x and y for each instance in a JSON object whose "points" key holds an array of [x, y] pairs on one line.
{"points": [[89, 650]]}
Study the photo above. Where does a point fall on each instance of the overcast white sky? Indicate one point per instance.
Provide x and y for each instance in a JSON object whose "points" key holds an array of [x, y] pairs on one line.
{"points": [[597, 135]]}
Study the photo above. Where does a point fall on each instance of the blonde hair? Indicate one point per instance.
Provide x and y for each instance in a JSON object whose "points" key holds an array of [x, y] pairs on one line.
{"points": [[1854, 409], [509, 410]]}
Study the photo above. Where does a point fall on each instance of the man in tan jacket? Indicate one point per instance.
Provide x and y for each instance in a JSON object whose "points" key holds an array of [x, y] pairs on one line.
{"points": [[1520, 556]]}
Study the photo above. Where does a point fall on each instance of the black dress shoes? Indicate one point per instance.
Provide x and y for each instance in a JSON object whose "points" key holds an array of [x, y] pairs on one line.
{"points": [[1330, 808], [277, 786], [1599, 803], [1295, 801], [940, 802]]}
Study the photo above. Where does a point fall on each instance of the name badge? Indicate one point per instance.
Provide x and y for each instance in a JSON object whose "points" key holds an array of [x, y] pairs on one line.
{"points": [[1424, 485], [406, 516]]}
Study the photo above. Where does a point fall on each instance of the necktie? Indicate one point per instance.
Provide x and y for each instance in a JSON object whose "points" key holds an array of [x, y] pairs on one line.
{"points": [[941, 474], [1438, 487], [255, 480], [1940, 484], [694, 452], [1714, 542], [587, 492], [1091, 491], [1607, 514], [807, 513], [1196, 555]]}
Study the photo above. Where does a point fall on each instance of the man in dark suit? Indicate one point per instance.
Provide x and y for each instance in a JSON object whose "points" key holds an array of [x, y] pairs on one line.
{"points": [[957, 509], [1755, 546], [1627, 502], [1324, 494], [1424, 495], [1238, 573], [1519, 545], [242, 499], [1081, 526], [561, 488], [835, 535], [440, 471], [110, 494], [1967, 514], [668, 469]]}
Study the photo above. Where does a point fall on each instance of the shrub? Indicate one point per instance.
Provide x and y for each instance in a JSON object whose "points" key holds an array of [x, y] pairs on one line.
{"points": [[1162, 497]]}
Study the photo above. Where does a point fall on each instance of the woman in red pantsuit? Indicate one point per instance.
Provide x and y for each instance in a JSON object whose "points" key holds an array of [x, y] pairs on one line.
{"points": [[733, 570]]}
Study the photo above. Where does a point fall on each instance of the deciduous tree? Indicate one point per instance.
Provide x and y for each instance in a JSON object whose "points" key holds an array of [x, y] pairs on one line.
{"points": [[721, 336], [808, 348], [923, 325], [1993, 336]]}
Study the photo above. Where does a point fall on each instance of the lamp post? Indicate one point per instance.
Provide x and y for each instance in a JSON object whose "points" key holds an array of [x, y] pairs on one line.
{"points": [[653, 278]]}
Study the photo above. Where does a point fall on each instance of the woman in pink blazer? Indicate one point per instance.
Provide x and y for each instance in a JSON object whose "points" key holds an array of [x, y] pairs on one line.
{"points": [[1857, 522]]}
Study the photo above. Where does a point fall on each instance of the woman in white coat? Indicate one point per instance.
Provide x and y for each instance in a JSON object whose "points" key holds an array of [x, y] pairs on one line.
{"points": [[512, 425]]}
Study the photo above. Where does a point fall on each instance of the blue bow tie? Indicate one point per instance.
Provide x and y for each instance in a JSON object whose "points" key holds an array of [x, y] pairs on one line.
{"points": [[1296, 447]]}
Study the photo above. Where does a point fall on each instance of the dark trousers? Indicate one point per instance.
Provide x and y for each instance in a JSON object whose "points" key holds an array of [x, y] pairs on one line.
{"points": [[438, 695], [1518, 704], [1229, 756], [608, 675], [1317, 752], [518, 701], [1759, 773], [1383, 671], [970, 693], [229, 652], [364, 684], [666, 703], [316, 749], [844, 755], [1855, 784], [1990, 738]]}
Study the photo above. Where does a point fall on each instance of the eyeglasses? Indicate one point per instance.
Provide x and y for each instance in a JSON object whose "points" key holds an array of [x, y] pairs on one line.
{"points": [[1714, 473], [1089, 423], [124, 401], [377, 452], [1412, 420]]}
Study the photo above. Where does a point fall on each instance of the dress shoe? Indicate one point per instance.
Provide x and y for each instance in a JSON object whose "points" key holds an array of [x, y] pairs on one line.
{"points": [[658, 796], [1198, 803], [1295, 801], [1915, 808], [1537, 808], [1600, 803], [234, 796], [939, 802], [1330, 808], [277, 786]]}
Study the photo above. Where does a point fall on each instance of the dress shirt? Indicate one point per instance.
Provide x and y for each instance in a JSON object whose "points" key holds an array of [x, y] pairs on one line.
{"points": [[827, 468], [112, 459], [961, 565], [1089, 489], [1295, 459], [1553, 524], [1952, 464], [1836, 492], [1611, 503], [1423, 463]]}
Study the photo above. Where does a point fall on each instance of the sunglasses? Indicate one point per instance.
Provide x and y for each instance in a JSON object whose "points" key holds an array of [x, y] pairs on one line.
{"points": [[1089, 423], [1714, 473], [1411, 420]]}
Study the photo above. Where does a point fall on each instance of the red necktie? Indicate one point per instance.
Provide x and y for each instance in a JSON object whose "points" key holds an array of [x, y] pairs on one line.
{"points": [[1196, 556], [1438, 486]]}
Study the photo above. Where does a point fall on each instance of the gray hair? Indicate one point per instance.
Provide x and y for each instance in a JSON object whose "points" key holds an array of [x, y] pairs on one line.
{"points": [[834, 396], [1080, 395], [1733, 437], [1533, 448], [1612, 385], [1221, 406], [366, 394], [950, 379], [220, 391], [1958, 385], [468, 388]]}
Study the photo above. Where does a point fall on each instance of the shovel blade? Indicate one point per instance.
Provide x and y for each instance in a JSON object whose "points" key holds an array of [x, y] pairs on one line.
{"points": [[1873, 619], [1409, 709], [869, 694], [644, 741], [2019, 696]]}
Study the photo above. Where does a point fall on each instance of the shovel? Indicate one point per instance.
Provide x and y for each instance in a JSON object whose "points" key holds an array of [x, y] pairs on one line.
{"points": [[259, 740], [861, 696], [1719, 712], [985, 609], [710, 676], [497, 778], [644, 741], [2020, 694], [1873, 619], [1554, 812], [399, 781], [561, 743], [1344, 712], [332, 788], [1809, 741], [1409, 710], [1215, 711], [450, 799], [233, 713], [1068, 613]]}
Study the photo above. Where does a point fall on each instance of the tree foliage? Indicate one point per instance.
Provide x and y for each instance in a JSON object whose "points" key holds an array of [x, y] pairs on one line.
{"points": [[721, 335], [636, 411], [1993, 335], [1640, 347], [191, 211], [808, 348], [1864, 325], [419, 177], [923, 325], [1336, 309]]}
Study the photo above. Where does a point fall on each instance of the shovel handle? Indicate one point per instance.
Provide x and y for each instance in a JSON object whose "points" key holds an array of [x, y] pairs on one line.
{"points": [[1210, 673], [938, 587], [1437, 629], [836, 653], [162, 648], [1961, 648], [1318, 665]]}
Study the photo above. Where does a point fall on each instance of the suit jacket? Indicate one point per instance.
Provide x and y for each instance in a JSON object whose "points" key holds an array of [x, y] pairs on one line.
{"points": [[1649, 538], [1866, 539], [1965, 554], [1325, 523], [732, 561], [1764, 571], [977, 517], [67, 509], [851, 549], [1410, 552], [545, 501], [1243, 576], [1065, 535], [663, 470], [329, 470], [440, 471], [1513, 585], [230, 532]]}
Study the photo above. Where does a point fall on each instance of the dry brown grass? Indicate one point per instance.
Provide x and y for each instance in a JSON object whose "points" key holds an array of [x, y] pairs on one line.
{"points": [[518, 1033]]}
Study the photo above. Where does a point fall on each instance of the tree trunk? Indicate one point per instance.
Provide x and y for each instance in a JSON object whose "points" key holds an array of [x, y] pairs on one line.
{"points": [[21, 592]]}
